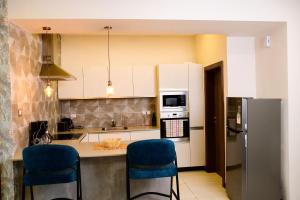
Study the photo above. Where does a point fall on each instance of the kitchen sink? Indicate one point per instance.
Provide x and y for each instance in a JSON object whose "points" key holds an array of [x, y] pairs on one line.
{"points": [[67, 136], [117, 128]]}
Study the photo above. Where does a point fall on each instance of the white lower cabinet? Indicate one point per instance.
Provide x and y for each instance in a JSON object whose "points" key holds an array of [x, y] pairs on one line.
{"points": [[145, 135], [91, 137], [197, 145], [183, 153], [124, 136]]}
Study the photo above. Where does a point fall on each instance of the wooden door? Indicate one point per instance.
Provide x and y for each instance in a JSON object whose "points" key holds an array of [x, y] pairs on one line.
{"points": [[214, 119]]}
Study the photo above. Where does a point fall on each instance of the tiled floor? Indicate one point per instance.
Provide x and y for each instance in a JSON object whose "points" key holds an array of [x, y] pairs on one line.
{"points": [[200, 185]]}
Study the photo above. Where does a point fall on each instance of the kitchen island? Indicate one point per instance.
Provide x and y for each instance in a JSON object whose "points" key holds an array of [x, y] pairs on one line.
{"points": [[103, 176]]}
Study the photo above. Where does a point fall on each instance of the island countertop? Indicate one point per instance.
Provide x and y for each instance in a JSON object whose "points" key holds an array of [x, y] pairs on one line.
{"points": [[85, 150], [88, 149]]}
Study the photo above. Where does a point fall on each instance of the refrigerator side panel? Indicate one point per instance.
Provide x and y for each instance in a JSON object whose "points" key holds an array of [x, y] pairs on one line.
{"points": [[234, 149], [263, 149]]}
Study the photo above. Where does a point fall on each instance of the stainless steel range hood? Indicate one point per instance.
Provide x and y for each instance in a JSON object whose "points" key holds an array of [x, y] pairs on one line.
{"points": [[51, 52]]}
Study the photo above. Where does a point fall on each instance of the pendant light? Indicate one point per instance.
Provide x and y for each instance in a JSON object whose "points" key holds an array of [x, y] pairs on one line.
{"points": [[109, 87], [48, 90]]}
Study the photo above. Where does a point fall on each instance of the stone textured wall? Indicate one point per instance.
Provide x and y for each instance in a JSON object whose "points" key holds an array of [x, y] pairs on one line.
{"points": [[7, 187], [27, 89], [100, 112]]}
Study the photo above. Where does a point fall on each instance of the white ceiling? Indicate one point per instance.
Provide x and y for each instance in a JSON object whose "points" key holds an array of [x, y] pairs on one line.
{"points": [[149, 27]]}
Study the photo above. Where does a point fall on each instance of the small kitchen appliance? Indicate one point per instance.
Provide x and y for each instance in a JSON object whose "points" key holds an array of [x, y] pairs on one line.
{"points": [[175, 125], [173, 100], [38, 133]]}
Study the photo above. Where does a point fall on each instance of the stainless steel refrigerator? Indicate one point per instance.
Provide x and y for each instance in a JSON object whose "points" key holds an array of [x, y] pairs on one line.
{"points": [[253, 149]]}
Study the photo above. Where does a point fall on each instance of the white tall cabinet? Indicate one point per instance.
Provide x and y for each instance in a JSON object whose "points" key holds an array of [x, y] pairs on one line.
{"points": [[190, 77], [196, 107], [173, 76], [196, 95], [197, 145]]}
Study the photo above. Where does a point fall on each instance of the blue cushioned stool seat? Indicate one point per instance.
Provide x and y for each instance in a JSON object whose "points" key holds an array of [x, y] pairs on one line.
{"points": [[61, 176], [149, 159], [51, 164], [145, 173]]}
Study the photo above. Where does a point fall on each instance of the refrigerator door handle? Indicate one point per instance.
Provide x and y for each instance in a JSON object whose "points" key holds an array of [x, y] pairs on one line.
{"points": [[246, 141]]}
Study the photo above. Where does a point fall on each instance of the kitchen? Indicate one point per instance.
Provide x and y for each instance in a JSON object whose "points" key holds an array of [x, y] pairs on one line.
{"points": [[183, 55]]}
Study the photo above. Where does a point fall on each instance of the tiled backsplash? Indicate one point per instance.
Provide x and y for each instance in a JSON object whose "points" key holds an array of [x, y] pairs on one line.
{"points": [[27, 89], [100, 112]]}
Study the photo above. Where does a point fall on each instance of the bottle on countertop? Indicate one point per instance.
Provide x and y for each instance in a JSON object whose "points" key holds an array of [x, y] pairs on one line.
{"points": [[153, 119]]}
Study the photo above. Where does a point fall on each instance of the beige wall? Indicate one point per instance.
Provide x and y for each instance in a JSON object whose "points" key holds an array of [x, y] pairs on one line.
{"points": [[92, 50], [241, 66], [210, 49], [271, 81]]}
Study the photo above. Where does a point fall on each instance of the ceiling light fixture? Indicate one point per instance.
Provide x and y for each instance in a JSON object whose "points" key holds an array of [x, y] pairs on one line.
{"points": [[109, 87], [48, 90]]}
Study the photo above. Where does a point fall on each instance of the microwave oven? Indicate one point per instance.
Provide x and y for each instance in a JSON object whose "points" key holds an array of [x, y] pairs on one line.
{"points": [[173, 101]]}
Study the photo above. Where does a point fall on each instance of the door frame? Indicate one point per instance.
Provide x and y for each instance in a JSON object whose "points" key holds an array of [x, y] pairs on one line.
{"points": [[222, 115]]}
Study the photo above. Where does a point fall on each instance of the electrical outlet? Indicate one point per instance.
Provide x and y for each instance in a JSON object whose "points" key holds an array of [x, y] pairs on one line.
{"points": [[20, 112], [144, 112], [148, 112], [73, 116]]}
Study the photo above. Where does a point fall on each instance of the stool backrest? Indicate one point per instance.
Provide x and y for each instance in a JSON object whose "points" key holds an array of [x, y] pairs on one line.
{"points": [[49, 157], [151, 152]]}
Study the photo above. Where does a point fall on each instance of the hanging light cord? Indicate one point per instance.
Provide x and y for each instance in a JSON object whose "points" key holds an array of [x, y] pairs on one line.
{"points": [[108, 28]]}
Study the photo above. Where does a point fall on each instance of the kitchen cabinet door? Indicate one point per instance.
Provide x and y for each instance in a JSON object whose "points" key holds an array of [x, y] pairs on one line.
{"points": [[121, 77], [173, 76], [183, 154], [124, 136], [93, 137], [144, 135], [95, 81], [144, 80], [196, 95], [71, 89], [197, 145]]}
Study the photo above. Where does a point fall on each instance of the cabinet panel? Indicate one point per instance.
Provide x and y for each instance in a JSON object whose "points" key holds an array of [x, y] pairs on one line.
{"points": [[145, 135], [183, 154], [196, 95], [71, 89], [144, 81], [124, 136], [121, 77], [95, 81], [85, 139], [93, 137], [197, 145], [173, 76]]}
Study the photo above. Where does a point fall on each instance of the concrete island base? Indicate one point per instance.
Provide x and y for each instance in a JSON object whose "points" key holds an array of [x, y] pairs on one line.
{"points": [[103, 178]]}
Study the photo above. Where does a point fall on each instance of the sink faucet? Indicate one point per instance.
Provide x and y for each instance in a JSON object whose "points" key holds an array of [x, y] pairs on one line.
{"points": [[113, 123]]}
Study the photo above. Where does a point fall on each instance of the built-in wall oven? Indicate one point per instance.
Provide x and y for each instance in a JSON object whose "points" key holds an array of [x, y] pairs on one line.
{"points": [[175, 125], [173, 101]]}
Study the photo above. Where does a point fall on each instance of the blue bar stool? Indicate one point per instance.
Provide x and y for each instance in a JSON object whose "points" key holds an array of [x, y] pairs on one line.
{"points": [[50, 164], [149, 159]]}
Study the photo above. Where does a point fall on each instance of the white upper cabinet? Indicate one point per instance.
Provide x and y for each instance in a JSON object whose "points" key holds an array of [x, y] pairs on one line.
{"points": [[144, 80], [173, 76], [196, 95], [95, 81], [71, 89], [121, 77]]}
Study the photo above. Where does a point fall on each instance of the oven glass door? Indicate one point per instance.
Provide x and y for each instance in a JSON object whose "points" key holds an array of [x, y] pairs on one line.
{"points": [[174, 100], [174, 128]]}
